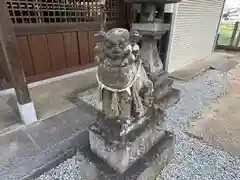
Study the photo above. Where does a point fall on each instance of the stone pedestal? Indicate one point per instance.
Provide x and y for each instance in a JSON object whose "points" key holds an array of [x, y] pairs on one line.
{"points": [[122, 145], [120, 155], [129, 141], [140, 152], [147, 167]]}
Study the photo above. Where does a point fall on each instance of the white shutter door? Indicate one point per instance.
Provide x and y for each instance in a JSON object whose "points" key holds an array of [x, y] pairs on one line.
{"points": [[194, 30]]}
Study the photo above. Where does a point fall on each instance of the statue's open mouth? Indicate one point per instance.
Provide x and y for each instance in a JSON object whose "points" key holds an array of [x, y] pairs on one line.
{"points": [[116, 52]]}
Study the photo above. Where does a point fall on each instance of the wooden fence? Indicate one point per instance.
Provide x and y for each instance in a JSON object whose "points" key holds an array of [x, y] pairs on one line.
{"points": [[56, 37]]}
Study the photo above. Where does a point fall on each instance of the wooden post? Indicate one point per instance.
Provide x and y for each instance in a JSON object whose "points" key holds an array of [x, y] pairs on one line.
{"points": [[235, 30], [12, 57], [238, 39]]}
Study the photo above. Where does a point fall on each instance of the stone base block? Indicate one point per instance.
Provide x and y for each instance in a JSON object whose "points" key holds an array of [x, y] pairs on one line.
{"points": [[172, 97], [120, 155], [153, 27], [148, 167]]}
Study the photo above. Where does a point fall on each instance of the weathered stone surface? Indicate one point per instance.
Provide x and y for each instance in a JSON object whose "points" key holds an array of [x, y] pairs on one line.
{"points": [[121, 155], [151, 28], [15, 148], [150, 55], [51, 133], [50, 158], [112, 129], [43, 161], [124, 91], [171, 98], [159, 78], [146, 168], [162, 89], [79, 117]]}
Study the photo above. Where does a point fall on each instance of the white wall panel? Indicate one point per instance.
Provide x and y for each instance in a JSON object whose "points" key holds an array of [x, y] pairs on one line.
{"points": [[193, 32]]}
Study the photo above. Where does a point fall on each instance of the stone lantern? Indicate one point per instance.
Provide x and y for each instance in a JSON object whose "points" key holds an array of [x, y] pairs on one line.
{"points": [[151, 27]]}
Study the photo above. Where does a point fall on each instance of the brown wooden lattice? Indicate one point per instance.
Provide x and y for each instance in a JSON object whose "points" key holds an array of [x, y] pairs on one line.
{"points": [[57, 11]]}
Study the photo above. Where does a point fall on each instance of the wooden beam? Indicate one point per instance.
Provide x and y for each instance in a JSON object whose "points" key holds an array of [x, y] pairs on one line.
{"points": [[235, 30], [34, 29], [3, 65], [12, 56]]}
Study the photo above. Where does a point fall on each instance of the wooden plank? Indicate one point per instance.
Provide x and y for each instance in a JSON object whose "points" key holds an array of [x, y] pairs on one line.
{"points": [[34, 29], [83, 47], [92, 43], [4, 81], [1, 71], [25, 55], [71, 49], [56, 51], [40, 54], [3, 64], [12, 56], [47, 75]]}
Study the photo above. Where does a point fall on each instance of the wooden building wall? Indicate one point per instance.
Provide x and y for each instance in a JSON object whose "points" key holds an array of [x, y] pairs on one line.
{"points": [[56, 37]]}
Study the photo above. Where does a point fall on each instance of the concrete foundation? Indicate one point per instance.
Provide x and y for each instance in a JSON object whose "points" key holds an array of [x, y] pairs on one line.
{"points": [[121, 155], [148, 167], [27, 113]]}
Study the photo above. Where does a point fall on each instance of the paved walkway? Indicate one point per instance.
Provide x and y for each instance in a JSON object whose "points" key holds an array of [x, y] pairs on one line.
{"points": [[49, 99], [25, 152]]}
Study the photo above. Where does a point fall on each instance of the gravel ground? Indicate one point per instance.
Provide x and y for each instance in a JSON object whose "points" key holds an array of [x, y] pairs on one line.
{"points": [[195, 94], [193, 159]]}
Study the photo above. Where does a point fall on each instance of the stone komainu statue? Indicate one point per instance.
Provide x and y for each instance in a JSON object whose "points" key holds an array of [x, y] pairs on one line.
{"points": [[134, 92], [125, 91]]}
